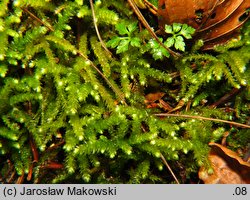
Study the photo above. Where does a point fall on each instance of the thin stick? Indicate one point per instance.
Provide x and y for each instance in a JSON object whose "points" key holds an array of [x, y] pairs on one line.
{"points": [[146, 25], [12, 176], [20, 179], [147, 3], [55, 146], [96, 28], [202, 118], [226, 97], [39, 20], [169, 168], [151, 7], [10, 169]]}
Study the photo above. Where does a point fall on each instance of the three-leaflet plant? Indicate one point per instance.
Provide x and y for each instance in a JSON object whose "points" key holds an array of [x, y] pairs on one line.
{"points": [[178, 32]]}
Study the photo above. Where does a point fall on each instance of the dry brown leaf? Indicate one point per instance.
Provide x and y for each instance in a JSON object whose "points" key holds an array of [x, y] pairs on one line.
{"points": [[228, 167], [229, 7], [192, 12], [216, 21], [224, 24], [152, 97]]}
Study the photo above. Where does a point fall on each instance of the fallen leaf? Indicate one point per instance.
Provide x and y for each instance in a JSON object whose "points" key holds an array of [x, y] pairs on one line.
{"points": [[152, 97], [228, 167], [216, 21]]}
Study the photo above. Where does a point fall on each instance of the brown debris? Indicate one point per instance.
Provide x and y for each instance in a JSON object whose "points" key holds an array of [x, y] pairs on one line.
{"points": [[216, 21], [152, 97], [228, 167]]}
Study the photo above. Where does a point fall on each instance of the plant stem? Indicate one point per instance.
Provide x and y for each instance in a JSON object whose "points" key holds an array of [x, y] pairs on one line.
{"points": [[169, 168], [146, 25], [96, 28], [202, 118]]}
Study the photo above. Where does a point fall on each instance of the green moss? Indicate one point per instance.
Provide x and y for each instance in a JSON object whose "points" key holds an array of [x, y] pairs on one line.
{"points": [[85, 109]]}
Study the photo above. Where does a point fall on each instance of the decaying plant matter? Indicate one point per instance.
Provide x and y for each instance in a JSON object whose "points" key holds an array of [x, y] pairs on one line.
{"points": [[215, 20], [227, 166]]}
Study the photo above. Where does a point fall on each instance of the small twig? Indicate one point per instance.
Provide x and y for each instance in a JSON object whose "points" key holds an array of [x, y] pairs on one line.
{"points": [[151, 7], [169, 168], [202, 118], [20, 179], [37, 19], [146, 25], [12, 176], [62, 142], [96, 28], [224, 139], [29, 176], [226, 97], [34, 150], [10, 169]]}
